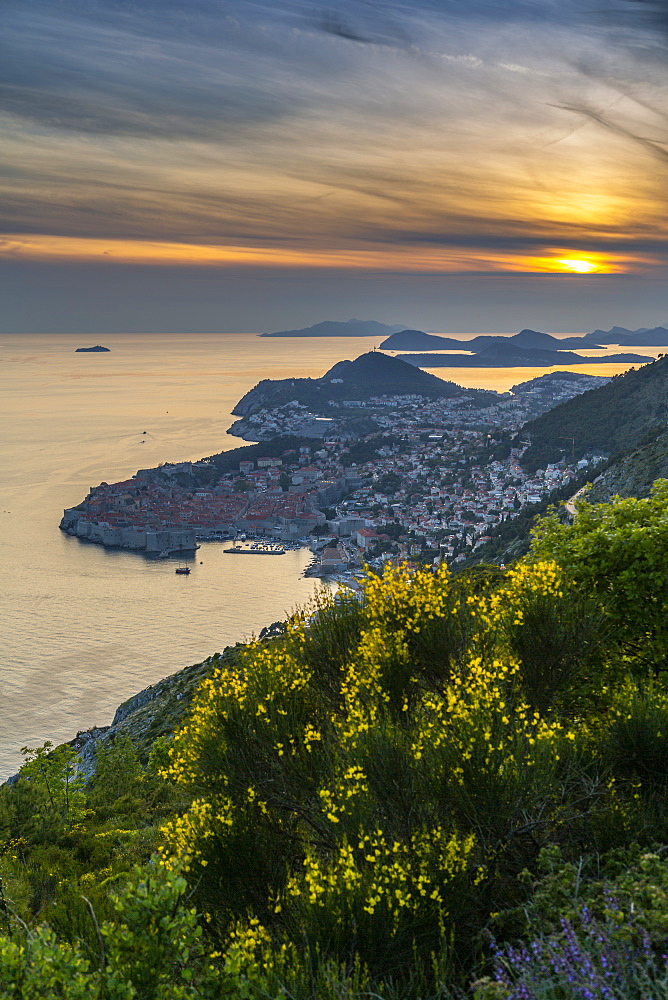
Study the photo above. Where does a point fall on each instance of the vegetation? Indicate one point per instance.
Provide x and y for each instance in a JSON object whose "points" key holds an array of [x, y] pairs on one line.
{"points": [[454, 787], [589, 422], [633, 474]]}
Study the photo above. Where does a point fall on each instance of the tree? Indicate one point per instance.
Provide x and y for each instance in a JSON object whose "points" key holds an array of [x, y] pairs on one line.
{"points": [[54, 772], [118, 771], [619, 551]]}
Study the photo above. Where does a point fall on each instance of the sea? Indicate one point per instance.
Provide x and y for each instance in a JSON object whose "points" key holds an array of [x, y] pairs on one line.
{"points": [[85, 627]]}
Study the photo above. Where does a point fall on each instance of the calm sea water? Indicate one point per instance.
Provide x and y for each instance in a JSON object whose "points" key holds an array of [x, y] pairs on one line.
{"points": [[84, 627]]}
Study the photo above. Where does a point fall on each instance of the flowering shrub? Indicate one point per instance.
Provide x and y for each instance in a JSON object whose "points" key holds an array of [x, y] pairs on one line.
{"points": [[371, 806]]}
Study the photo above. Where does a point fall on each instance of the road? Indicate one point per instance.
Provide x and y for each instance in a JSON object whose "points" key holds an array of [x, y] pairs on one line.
{"points": [[570, 504]]}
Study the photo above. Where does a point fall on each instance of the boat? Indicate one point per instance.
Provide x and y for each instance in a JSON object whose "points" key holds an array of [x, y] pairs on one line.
{"points": [[182, 570], [257, 549]]}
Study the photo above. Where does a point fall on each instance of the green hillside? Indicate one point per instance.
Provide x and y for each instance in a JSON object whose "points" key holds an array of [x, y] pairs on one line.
{"points": [[613, 418], [633, 474]]}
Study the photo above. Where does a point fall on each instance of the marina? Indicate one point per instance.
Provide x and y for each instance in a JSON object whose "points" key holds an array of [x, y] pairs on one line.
{"points": [[257, 549]]}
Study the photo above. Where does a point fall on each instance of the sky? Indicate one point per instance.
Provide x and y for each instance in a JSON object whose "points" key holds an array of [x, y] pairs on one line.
{"points": [[240, 165]]}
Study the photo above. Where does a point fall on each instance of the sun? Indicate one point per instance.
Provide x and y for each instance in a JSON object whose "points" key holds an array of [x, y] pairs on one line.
{"points": [[579, 266]]}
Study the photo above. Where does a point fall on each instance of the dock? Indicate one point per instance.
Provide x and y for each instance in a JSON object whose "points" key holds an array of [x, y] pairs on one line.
{"points": [[257, 549]]}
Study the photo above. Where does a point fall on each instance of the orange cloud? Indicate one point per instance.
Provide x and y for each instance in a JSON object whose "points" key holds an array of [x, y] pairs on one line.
{"points": [[400, 258]]}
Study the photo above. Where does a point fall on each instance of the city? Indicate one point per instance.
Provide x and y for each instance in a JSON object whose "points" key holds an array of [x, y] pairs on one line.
{"points": [[428, 483]]}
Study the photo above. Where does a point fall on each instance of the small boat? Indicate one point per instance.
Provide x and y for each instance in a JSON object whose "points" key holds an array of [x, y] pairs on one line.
{"points": [[182, 570]]}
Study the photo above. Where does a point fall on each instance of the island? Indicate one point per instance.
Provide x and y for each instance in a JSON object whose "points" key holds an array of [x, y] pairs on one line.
{"points": [[92, 350], [504, 355], [349, 328], [416, 340], [643, 337]]}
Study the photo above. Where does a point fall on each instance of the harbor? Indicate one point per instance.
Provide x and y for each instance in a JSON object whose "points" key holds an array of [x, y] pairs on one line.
{"points": [[256, 549]]}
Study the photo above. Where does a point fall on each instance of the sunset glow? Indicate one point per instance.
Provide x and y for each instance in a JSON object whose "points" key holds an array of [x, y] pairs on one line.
{"points": [[406, 258], [579, 266], [593, 264], [417, 139]]}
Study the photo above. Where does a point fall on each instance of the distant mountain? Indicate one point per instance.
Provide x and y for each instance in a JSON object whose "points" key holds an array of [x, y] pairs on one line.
{"points": [[533, 338], [372, 374], [613, 419], [416, 340], [91, 350], [506, 354], [643, 337], [530, 339], [351, 328]]}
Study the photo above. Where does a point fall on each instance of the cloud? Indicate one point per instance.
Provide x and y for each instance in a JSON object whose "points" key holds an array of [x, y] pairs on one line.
{"points": [[341, 125]]}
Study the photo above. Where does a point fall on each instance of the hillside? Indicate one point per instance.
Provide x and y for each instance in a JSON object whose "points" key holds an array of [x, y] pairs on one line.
{"points": [[613, 418], [632, 475], [371, 374]]}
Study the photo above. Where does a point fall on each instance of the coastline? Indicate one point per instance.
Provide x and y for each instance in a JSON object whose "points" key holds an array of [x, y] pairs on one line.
{"points": [[89, 624]]}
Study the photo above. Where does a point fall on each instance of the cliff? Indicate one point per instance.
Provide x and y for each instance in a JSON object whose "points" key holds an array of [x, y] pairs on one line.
{"points": [[158, 710]]}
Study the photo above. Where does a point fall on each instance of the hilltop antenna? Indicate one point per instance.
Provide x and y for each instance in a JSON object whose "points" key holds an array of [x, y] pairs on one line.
{"points": [[572, 440]]}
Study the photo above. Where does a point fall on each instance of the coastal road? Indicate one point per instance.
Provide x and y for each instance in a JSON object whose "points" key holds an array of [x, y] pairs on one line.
{"points": [[570, 504]]}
